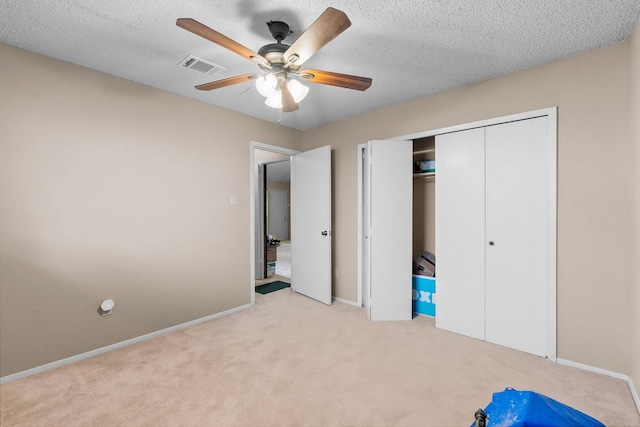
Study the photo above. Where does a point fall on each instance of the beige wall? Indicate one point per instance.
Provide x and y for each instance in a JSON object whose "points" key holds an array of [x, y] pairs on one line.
{"points": [[635, 188], [594, 266], [111, 189]]}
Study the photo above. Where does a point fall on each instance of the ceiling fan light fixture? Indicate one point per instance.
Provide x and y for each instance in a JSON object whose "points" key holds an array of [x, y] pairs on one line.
{"points": [[274, 100], [266, 85], [298, 90]]}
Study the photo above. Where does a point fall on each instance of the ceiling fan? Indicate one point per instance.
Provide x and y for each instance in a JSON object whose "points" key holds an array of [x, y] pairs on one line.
{"points": [[280, 62]]}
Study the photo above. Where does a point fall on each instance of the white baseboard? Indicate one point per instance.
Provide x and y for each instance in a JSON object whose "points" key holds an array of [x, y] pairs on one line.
{"points": [[77, 358], [345, 301], [592, 369], [627, 378]]}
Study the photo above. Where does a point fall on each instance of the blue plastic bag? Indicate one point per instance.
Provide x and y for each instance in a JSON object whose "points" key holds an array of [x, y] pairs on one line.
{"points": [[513, 408]]}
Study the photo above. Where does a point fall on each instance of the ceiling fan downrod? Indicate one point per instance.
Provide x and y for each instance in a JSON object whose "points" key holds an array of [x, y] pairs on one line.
{"points": [[279, 30]]}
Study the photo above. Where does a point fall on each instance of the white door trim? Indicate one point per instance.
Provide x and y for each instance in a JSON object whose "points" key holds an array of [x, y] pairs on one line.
{"points": [[253, 176], [551, 112], [361, 148]]}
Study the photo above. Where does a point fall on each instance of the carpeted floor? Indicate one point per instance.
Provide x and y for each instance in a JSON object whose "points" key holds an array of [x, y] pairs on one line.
{"points": [[283, 264], [291, 361]]}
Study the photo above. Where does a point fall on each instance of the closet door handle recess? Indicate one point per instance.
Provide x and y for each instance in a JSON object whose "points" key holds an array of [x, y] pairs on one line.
{"points": [[491, 243]]}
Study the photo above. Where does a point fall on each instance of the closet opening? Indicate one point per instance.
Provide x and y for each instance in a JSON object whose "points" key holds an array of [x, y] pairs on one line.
{"points": [[423, 267], [481, 197]]}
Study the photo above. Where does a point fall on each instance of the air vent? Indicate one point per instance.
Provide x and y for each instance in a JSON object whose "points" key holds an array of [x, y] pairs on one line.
{"points": [[200, 65]]}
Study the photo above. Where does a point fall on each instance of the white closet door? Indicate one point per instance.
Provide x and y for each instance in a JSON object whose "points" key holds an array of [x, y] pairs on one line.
{"points": [[460, 232], [391, 229], [517, 194]]}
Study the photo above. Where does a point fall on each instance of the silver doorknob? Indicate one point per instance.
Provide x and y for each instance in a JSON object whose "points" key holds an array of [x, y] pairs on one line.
{"points": [[326, 233]]}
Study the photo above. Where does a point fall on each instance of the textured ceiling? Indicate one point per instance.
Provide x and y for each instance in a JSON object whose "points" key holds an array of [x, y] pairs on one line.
{"points": [[410, 48]]}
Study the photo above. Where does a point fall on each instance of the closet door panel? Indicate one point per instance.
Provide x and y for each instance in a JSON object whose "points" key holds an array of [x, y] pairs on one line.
{"points": [[516, 232], [390, 220], [460, 232]]}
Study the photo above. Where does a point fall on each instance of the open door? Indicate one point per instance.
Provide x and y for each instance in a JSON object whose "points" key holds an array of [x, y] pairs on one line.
{"points": [[311, 224], [388, 229]]}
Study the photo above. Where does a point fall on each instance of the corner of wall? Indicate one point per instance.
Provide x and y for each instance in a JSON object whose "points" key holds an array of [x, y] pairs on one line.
{"points": [[635, 209]]}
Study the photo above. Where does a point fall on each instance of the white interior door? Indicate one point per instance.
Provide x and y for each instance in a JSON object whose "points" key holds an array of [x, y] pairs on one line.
{"points": [[365, 182], [278, 214], [390, 214], [460, 232], [517, 194], [311, 224]]}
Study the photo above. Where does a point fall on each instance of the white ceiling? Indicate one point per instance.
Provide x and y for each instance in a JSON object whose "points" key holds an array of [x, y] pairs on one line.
{"points": [[410, 49]]}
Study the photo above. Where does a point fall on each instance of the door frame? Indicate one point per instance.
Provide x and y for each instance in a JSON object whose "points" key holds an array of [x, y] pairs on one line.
{"points": [[253, 179], [552, 214], [360, 213]]}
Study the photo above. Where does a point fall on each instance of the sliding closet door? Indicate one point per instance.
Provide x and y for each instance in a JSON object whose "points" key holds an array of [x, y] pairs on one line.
{"points": [[460, 232], [517, 206]]}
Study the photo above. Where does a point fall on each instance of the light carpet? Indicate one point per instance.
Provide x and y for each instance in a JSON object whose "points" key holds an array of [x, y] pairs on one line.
{"points": [[291, 361], [283, 264]]}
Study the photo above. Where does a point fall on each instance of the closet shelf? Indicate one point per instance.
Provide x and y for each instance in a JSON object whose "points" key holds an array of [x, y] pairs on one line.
{"points": [[429, 150], [424, 175]]}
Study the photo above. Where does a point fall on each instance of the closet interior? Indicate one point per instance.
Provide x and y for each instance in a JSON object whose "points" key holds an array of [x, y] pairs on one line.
{"points": [[424, 226]]}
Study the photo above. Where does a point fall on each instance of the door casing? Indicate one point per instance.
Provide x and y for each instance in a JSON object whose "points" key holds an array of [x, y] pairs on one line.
{"points": [[255, 232]]}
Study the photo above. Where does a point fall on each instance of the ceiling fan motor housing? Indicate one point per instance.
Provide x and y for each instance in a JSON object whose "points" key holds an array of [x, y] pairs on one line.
{"points": [[279, 30], [278, 48]]}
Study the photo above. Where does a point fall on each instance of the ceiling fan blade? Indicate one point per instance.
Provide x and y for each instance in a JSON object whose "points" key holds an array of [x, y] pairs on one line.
{"points": [[336, 79], [213, 36], [227, 82], [327, 27], [288, 103]]}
